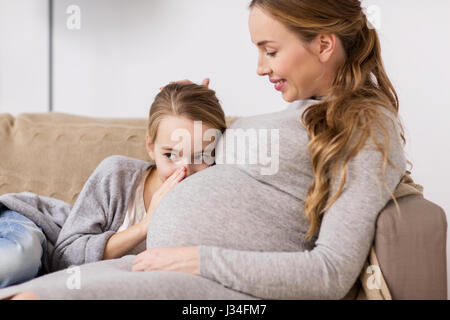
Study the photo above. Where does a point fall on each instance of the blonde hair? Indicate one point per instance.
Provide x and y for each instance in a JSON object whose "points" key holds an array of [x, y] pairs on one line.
{"points": [[192, 101], [340, 124]]}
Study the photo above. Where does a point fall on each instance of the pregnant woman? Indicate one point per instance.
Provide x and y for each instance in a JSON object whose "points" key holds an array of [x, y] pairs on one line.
{"points": [[304, 230]]}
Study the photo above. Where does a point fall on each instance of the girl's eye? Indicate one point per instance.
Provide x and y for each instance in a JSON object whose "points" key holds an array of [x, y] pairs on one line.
{"points": [[170, 154], [271, 54]]}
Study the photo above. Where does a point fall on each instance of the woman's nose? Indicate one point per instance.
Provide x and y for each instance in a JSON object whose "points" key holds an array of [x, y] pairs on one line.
{"points": [[262, 69]]}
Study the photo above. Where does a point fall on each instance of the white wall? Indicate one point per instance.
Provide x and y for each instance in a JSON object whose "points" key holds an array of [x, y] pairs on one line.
{"points": [[23, 56], [125, 50]]}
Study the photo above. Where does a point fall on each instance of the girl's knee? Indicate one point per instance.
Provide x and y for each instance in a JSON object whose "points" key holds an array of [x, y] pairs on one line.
{"points": [[20, 262], [22, 246]]}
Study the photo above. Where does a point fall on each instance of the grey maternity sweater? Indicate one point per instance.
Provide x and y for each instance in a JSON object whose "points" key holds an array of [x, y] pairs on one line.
{"points": [[247, 218]]}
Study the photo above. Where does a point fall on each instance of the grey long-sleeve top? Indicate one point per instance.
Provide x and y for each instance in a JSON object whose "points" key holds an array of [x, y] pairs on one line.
{"points": [[250, 224]]}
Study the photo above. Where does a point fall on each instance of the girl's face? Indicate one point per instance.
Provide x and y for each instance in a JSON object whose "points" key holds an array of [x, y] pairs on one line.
{"points": [[306, 70], [179, 142]]}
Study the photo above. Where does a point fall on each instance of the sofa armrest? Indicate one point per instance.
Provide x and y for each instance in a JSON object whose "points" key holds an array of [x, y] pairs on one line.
{"points": [[411, 248]]}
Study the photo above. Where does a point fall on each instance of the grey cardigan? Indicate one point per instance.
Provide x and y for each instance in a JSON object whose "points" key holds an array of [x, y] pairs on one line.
{"points": [[78, 234]]}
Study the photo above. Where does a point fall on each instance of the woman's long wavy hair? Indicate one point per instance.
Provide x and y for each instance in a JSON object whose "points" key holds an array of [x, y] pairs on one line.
{"points": [[360, 90]]}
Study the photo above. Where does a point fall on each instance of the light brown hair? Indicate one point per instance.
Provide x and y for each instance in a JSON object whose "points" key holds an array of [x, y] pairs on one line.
{"points": [[192, 101], [340, 124]]}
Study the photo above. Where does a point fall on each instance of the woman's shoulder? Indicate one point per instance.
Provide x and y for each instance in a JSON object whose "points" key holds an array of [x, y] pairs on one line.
{"points": [[273, 119]]}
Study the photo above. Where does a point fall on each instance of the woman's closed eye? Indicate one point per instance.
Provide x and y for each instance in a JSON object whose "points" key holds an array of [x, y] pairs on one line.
{"points": [[271, 54]]}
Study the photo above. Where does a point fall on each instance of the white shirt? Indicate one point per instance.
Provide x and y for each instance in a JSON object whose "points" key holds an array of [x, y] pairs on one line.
{"points": [[136, 212]]}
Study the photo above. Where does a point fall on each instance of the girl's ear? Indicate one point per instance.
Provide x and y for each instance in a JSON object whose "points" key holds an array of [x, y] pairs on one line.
{"points": [[150, 148]]}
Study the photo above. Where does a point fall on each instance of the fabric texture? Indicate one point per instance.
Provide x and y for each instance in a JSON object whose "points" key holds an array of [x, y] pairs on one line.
{"points": [[113, 280], [250, 225], [411, 249]]}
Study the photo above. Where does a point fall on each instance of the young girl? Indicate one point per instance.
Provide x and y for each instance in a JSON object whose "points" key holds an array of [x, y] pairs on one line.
{"points": [[176, 107], [111, 215]]}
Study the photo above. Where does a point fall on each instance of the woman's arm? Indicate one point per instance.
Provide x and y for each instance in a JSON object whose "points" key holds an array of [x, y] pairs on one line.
{"points": [[347, 231]]}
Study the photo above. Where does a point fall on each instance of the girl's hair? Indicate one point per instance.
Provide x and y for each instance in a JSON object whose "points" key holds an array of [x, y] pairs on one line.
{"points": [[340, 124], [192, 101]]}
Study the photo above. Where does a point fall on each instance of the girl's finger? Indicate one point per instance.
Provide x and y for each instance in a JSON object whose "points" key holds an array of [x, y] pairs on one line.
{"points": [[174, 175], [168, 184], [137, 267], [171, 184], [180, 176], [137, 259]]}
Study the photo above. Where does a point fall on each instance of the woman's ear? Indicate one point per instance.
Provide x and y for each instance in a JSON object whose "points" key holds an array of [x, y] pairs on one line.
{"points": [[150, 148], [325, 44]]}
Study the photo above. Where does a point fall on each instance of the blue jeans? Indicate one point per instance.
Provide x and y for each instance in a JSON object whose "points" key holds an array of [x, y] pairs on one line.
{"points": [[22, 248]]}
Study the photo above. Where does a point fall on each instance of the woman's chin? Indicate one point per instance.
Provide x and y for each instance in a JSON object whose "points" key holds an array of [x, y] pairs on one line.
{"points": [[287, 97]]}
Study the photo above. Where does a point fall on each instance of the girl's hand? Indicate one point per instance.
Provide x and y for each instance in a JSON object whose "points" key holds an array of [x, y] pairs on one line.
{"points": [[180, 259], [205, 82], [168, 185]]}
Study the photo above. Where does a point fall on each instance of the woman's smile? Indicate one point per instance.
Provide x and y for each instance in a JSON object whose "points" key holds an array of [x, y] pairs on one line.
{"points": [[280, 85]]}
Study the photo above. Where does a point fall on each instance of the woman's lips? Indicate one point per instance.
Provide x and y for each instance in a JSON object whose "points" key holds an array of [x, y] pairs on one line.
{"points": [[281, 85]]}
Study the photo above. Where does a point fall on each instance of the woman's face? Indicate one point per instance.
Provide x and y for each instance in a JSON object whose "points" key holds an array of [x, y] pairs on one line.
{"points": [[306, 70], [179, 142]]}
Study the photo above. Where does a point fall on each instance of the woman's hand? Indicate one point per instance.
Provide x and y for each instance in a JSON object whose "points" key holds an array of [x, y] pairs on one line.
{"points": [[179, 259], [168, 185], [205, 82]]}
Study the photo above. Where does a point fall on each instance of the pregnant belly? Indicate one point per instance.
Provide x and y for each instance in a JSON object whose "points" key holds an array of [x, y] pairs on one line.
{"points": [[224, 206]]}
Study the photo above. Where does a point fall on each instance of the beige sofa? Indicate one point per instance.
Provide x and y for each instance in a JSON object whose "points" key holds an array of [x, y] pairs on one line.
{"points": [[53, 154]]}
